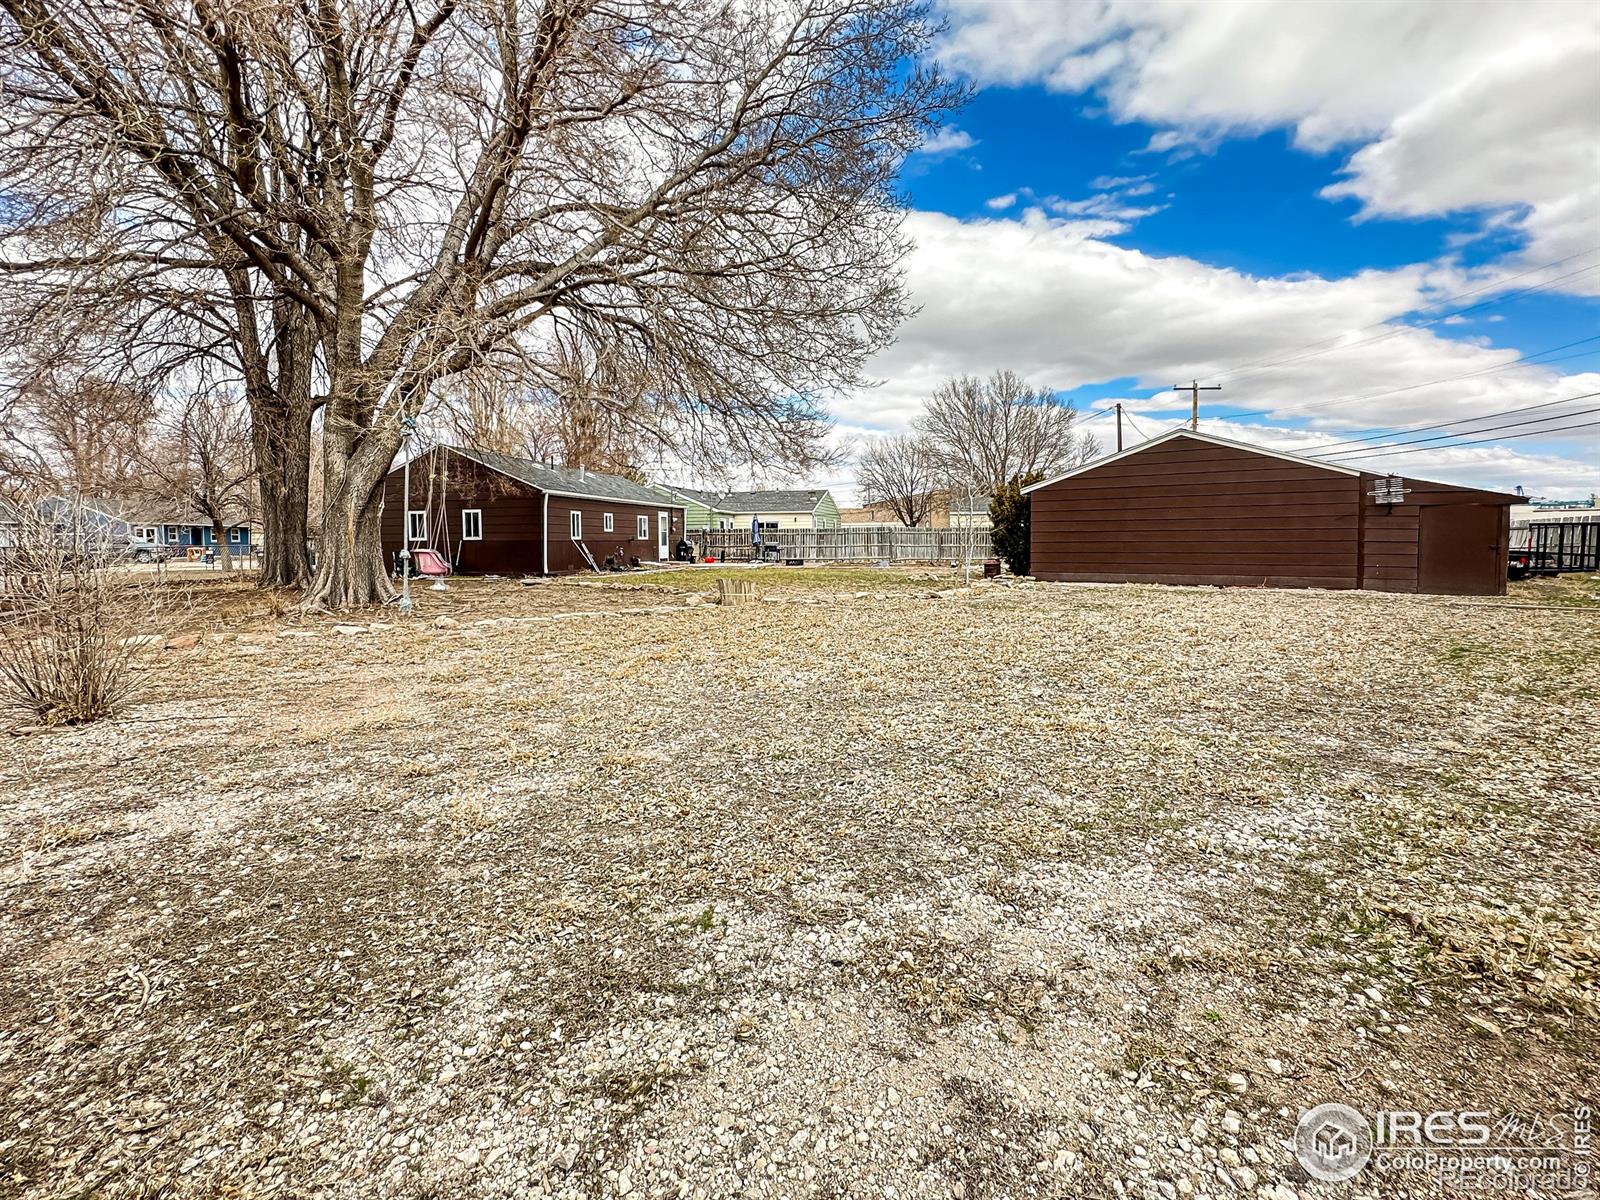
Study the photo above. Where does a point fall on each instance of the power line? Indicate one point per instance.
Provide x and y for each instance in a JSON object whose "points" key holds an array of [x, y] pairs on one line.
{"points": [[1489, 429], [1383, 435], [1480, 442], [1520, 360]]}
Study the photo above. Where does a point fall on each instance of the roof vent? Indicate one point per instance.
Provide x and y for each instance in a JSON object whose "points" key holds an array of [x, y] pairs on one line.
{"points": [[583, 472]]}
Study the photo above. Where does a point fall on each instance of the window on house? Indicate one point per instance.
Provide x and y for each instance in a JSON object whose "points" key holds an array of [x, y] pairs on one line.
{"points": [[417, 524], [608, 523], [575, 524], [472, 524], [644, 527], [233, 535], [766, 525]]}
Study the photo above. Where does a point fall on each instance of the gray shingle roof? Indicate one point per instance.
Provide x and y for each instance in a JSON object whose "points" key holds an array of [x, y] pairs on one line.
{"points": [[771, 501], [591, 485], [698, 495], [97, 514]]}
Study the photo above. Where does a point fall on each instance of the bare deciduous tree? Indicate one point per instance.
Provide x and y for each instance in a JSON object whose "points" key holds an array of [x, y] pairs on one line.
{"points": [[354, 203], [901, 472], [69, 430], [991, 431], [202, 461]]}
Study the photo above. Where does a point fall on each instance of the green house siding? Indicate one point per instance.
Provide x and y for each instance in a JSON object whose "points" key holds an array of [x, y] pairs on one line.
{"points": [[827, 512], [696, 516]]}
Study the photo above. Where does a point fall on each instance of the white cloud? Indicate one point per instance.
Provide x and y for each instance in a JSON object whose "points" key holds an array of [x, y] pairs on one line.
{"points": [[1106, 183], [1104, 214], [1050, 299], [1493, 107], [948, 140]]}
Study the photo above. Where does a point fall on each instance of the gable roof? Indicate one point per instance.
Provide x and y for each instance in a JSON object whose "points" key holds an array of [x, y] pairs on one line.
{"points": [[1193, 435], [233, 517], [578, 483], [771, 500], [697, 495], [1213, 439], [89, 511]]}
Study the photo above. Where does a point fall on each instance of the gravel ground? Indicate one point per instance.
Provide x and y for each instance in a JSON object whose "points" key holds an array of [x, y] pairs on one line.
{"points": [[594, 890]]}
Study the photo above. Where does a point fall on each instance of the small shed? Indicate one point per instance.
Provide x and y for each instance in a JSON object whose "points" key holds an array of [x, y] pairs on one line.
{"points": [[1194, 508], [497, 514]]}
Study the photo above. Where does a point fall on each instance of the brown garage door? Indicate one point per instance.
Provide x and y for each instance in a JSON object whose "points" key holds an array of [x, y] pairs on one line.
{"points": [[1460, 550]]}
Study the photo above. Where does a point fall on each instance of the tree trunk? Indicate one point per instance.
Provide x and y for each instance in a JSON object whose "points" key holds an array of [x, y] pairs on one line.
{"points": [[219, 536], [282, 439], [350, 570]]}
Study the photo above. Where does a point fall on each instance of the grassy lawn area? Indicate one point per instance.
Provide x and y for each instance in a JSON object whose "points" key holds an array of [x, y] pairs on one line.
{"points": [[1578, 589], [777, 578], [593, 889]]}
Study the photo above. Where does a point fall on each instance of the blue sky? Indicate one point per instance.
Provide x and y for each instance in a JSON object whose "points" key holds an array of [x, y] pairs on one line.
{"points": [[1141, 194]]}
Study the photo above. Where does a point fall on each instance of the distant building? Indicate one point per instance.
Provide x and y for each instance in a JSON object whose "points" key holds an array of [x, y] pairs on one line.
{"points": [[1193, 508], [184, 531], [946, 510], [970, 512], [494, 513], [775, 509]]}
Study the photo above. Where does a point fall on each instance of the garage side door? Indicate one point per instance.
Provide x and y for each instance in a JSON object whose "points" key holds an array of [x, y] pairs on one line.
{"points": [[1459, 551]]}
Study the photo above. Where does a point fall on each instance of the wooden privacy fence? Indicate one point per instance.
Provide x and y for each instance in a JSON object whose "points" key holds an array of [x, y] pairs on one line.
{"points": [[1565, 543], [850, 543]]}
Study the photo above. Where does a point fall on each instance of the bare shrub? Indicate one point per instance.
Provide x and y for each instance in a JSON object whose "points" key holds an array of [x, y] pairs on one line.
{"points": [[78, 629]]}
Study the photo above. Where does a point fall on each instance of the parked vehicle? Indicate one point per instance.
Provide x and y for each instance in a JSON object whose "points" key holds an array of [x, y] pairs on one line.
{"points": [[142, 551], [1526, 562]]}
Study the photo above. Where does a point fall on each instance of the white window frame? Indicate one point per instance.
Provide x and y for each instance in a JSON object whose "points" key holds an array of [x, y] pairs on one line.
{"points": [[417, 518], [575, 524], [642, 527], [467, 536], [608, 522], [233, 535], [147, 533]]}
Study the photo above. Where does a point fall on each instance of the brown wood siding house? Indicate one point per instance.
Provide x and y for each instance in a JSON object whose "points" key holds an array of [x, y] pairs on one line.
{"points": [[493, 514], [1193, 508]]}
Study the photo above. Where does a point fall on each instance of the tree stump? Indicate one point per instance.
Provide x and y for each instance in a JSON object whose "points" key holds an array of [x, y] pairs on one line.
{"points": [[736, 591]]}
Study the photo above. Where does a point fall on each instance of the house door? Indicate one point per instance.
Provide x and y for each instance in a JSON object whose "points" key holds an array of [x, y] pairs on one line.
{"points": [[1459, 552], [663, 536]]}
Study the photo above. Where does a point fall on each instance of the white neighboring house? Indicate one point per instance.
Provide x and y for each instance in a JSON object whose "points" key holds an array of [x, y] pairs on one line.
{"points": [[779, 509], [970, 513]]}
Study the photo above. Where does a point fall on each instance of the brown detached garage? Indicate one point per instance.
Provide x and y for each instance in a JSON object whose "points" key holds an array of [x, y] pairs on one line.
{"points": [[496, 514], [1193, 508]]}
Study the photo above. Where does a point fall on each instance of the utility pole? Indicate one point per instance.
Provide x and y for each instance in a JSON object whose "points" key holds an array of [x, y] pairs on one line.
{"points": [[1194, 388], [408, 428], [1119, 426]]}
